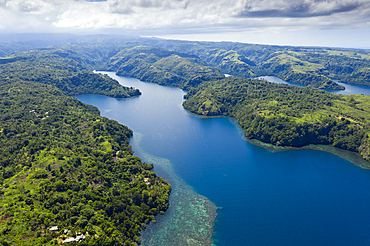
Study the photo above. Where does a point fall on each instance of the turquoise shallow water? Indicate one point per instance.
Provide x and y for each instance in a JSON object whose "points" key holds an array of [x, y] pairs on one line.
{"points": [[297, 197]]}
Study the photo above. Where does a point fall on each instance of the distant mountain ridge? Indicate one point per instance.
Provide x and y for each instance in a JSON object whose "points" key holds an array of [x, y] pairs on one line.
{"points": [[314, 66]]}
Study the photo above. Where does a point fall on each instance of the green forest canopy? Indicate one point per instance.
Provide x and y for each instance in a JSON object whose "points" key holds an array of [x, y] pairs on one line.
{"points": [[319, 67], [64, 165]]}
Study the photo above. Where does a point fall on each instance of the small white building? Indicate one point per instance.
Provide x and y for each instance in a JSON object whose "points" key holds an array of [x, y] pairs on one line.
{"points": [[76, 239], [53, 228]]}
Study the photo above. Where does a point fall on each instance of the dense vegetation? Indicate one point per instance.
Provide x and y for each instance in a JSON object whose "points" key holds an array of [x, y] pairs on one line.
{"points": [[55, 67], [64, 165], [162, 66], [61, 164], [139, 57], [287, 115], [313, 66]]}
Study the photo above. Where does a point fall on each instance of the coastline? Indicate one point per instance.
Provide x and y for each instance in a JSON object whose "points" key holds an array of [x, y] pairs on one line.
{"points": [[350, 156], [353, 157], [190, 218]]}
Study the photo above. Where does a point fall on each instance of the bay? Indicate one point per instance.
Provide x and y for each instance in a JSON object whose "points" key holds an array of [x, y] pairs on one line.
{"points": [[265, 197], [350, 89]]}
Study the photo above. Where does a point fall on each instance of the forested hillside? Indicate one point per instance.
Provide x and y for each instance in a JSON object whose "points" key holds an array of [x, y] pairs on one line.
{"points": [[54, 67], [67, 172], [287, 115], [161, 66], [313, 66]]}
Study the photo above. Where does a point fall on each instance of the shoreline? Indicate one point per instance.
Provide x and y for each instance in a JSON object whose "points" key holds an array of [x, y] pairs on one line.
{"points": [[353, 157], [190, 218]]}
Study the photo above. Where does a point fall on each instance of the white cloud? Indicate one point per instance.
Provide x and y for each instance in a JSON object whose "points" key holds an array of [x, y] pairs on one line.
{"points": [[30, 6], [300, 8], [159, 17]]}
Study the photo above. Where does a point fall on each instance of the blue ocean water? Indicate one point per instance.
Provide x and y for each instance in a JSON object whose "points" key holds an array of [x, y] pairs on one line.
{"points": [[295, 197]]}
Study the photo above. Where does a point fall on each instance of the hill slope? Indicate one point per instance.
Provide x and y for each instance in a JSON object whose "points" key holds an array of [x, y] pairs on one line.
{"points": [[54, 67], [64, 165], [287, 115]]}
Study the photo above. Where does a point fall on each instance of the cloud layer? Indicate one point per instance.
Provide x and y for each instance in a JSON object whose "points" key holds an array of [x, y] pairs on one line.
{"points": [[301, 8], [160, 17]]}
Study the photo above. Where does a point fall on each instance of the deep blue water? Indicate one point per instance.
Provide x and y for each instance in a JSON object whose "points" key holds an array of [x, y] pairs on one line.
{"points": [[349, 89], [296, 197]]}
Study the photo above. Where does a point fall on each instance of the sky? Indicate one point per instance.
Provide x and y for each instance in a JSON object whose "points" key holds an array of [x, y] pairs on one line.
{"points": [[335, 23]]}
